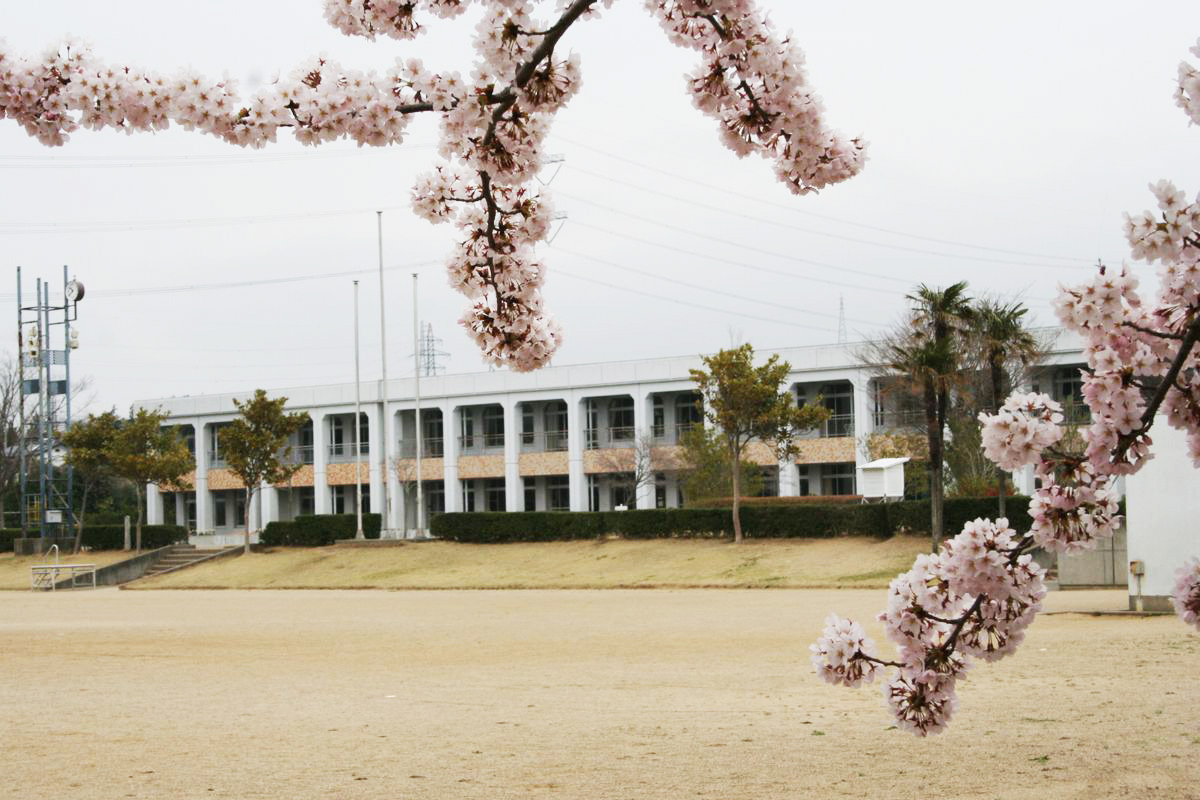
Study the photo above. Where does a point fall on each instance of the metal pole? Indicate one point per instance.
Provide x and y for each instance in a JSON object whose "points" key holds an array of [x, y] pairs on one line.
{"points": [[383, 389], [21, 408], [67, 423], [43, 408], [358, 530], [417, 394]]}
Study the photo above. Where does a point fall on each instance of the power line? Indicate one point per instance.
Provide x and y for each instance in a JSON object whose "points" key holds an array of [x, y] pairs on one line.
{"points": [[100, 226], [724, 293], [677, 301], [838, 237], [795, 210]]}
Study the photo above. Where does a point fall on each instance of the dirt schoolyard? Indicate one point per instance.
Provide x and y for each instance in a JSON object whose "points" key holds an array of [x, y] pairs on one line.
{"points": [[569, 694]]}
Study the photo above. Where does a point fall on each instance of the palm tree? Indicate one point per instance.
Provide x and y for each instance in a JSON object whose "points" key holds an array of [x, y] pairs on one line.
{"points": [[929, 350], [1004, 344]]}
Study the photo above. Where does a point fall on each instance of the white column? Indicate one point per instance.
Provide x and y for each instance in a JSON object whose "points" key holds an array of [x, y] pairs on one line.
{"points": [[395, 518], [320, 461], [643, 421], [512, 456], [181, 509], [154, 507], [450, 433], [203, 498], [864, 402], [576, 477], [269, 504], [371, 469], [789, 484]]}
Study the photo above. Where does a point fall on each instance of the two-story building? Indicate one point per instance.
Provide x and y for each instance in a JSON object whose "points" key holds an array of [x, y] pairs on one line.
{"points": [[563, 438]]}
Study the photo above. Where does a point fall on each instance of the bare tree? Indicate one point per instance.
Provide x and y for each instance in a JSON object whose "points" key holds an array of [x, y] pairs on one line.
{"points": [[631, 468]]}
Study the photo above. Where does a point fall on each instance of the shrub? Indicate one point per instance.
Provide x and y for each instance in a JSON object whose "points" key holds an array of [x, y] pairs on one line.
{"points": [[112, 537], [912, 516], [7, 535], [318, 530], [781, 521], [805, 500]]}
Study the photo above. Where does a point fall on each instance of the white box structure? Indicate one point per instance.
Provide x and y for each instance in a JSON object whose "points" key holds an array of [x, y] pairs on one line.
{"points": [[882, 479], [1162, 508]]}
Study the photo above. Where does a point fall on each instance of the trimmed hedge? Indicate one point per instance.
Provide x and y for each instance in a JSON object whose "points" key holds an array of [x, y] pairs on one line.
{"points": [[805, 520], [112, 537], [800, 500], [912, 516], [107, 537], [812, 521], [318, 530]]}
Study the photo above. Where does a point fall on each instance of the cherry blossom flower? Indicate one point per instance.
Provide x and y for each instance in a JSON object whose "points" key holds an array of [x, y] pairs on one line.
{"points": [[1186, 595]]}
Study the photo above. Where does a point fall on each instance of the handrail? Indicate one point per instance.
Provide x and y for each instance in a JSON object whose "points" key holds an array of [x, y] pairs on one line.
{"points": [[54, 547]]}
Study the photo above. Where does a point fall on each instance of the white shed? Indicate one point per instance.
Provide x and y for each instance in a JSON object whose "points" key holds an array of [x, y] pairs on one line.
{"points": [[882, 479], [1163, 504]]}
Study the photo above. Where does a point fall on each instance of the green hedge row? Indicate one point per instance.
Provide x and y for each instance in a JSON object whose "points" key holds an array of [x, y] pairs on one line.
{"points": [[108, 537], [762, 522], [318, 530]]}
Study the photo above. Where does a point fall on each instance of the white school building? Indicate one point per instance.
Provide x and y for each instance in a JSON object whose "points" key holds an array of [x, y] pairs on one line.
{"points": [[563, 438]]}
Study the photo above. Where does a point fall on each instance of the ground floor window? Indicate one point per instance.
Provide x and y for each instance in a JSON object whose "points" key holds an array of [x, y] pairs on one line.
{"points": [[531, 494], [660, 490], [343, 499], [837, 478], [770, 482], [493, 491], [558, 493], [308, 501]]}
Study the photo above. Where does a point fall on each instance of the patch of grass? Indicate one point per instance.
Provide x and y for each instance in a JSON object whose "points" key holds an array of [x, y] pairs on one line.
{"points": [[861, 562]]}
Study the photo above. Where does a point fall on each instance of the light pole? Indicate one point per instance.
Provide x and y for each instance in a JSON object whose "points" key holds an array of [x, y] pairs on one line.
{"points": [[417, 393], [358, 530], [383, 389]]}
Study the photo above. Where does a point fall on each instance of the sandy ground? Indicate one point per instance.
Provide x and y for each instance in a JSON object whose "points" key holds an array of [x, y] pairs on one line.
{"points": [[569, 694]]}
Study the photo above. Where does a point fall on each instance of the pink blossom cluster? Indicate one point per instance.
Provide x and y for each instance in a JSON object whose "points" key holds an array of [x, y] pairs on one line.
{"points": [[753, 82], [1186, 595], [974, 598], [493, 125], [1024, 426], [836, 655], [1188, 95]]}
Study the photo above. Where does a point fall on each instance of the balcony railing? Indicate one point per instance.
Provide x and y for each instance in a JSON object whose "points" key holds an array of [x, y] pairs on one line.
{"points": [[345, 451], [544, 441], [216, 459], [478, 443], [618, 436], [899, 420], [671, 435], [838, 425], [431, 447], [300, 454]]}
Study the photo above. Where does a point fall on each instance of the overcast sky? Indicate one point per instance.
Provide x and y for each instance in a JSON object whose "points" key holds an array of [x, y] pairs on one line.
{"points": [[1004, 147]]}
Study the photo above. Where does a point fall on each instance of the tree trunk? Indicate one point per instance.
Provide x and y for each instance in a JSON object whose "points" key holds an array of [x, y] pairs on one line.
{"points": [[79, 519], [933, 434], [997, 371], [737, 490], [249, 498], [141, 490]]}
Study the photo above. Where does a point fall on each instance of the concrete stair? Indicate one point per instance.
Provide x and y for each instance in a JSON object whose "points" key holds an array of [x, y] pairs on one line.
{"points": [[181, 556]]}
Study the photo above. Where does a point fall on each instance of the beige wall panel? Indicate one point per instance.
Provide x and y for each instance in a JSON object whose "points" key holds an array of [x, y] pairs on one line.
{"points": [[478, 467], [343, 474], [616, 459], [544, 463], [759, 453], [302, 477], [432, 469], [838, 449], [221, 479]]}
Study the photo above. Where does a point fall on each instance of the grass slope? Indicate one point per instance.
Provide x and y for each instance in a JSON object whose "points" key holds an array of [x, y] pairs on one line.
{"points": [[819, 563], [14, 569]]}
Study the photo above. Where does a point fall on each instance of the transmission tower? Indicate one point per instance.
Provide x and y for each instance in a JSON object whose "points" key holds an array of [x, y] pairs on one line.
{"points": [[45, 375], [429, 348]]}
